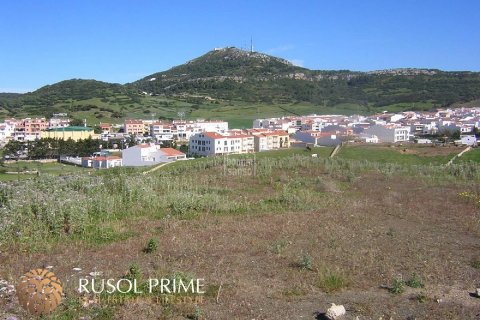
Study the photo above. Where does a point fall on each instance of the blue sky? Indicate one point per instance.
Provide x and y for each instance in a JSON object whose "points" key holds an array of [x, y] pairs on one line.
{"points": [[47, 41]]}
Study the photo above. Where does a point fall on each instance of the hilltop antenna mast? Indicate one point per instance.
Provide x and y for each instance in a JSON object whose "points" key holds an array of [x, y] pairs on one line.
{"points": [[251, 44]]}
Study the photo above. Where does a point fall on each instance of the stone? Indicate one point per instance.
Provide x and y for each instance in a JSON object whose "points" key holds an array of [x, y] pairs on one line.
{"points": [[335, 312]]}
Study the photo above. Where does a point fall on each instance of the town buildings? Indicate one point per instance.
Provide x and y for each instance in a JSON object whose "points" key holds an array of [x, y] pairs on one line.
{"points": [[148, 154], [237, 142], [72, 132]]}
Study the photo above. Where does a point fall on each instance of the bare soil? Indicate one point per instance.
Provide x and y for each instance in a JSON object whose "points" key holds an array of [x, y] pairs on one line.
{"points": [[377, 229]]}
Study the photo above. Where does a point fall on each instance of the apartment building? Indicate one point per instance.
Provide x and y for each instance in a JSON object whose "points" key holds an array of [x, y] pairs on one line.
{"points": [[134, 127], [389, 133]]}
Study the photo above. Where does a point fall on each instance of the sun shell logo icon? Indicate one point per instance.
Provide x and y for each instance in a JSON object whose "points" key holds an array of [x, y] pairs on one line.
{"points": [[39, 291]]}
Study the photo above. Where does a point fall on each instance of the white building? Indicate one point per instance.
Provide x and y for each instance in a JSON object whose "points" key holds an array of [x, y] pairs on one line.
{"points": [[149, 154], [101, 162], [389, 133], [212, 143], [58, 122], [6, 131], [211, 126], [468, 140], [368, 138]]}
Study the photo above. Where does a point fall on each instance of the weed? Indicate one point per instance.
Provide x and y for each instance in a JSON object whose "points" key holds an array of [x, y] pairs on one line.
{"points": [[422, 298], [152, 246], [279, 245], [391, 232], [293, 292], [331, 281], [475, 264], [196, 315], [133, 273], [414, 281], [398, 286], [305, 262]]}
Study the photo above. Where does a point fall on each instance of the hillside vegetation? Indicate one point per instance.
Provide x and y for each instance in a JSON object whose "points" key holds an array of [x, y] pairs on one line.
{"points": [[239, 86]]}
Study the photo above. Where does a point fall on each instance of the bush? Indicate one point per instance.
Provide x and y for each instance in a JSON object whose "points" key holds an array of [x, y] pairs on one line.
{"points": [[279, 245], [475, 264], [422, 298], [133, 273], [306, 262], [152, 246], [398, 286], [414, 282]]}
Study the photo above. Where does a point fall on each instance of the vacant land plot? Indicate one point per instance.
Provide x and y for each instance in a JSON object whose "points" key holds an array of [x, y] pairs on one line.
{"points": [[407, 154], [282, 241]]}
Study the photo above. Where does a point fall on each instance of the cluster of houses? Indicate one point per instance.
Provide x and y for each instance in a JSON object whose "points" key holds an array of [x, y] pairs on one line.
{"points": [[160, 131], [146, 154], [385, 127], [30, 129], [209, 138]]}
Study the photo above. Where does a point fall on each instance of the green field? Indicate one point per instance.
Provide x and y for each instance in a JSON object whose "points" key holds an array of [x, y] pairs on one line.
{"points": [[54, 168], [473, 155]]}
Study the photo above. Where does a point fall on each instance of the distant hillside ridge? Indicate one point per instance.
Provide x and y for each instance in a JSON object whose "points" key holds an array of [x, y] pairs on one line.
{"points": [[235, 74]]}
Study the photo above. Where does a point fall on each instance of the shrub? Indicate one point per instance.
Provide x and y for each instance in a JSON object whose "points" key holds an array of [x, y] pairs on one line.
{"points": [[133, 273], [398, 286], [152, 246], [414, 281], [422, 298], [475, 264], [306, 262], [279, 245]]}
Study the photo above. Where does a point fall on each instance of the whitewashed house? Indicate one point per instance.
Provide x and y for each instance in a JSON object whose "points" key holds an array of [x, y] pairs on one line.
{"points": [[102, 162], [149, 154], [212, 143], [467, 140], [389, 133]]}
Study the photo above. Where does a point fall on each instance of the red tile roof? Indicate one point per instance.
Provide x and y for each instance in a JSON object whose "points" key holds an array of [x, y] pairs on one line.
{"points": [[144, 145], [133, 121], [213, 135], [171, 152]]}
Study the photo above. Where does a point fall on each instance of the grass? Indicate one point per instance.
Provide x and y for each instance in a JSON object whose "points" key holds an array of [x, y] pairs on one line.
{"points": [[241, 231], [330, 281], [396, 155], [473, 156]]}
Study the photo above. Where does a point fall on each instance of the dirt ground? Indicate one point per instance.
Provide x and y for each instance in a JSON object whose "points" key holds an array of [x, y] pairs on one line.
{"points": [[369, 232]]}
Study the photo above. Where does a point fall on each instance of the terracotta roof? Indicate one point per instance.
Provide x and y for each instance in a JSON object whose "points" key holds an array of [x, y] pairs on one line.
{"points": [[239, 136], [171, 152], [144, 145], [213, 135], [275, 133], [133, 122]]}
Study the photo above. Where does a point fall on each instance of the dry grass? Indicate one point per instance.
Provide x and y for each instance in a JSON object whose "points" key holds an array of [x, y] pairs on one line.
{"points": [[359, 233]]}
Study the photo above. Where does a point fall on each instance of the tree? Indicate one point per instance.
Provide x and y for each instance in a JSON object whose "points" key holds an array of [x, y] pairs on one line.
{"points": [[13, 148], [76, 122], [476, 132]]}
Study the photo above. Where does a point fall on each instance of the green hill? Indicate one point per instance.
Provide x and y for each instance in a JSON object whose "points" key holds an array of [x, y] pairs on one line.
{"points": [[234, 74]]}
